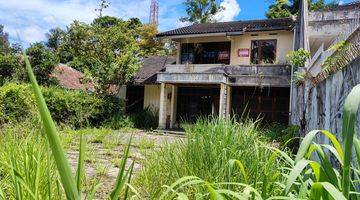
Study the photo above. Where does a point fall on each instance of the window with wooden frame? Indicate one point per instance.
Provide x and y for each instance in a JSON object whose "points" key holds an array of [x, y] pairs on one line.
{"points": [[263, 51]]}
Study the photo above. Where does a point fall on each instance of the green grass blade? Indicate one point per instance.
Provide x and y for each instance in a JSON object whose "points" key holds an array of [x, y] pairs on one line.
{"points": [[326, 166], [48, 171], [37, 175], [308, 139], [93, 191], [179, 183], [2, 195], [316, 169], [120, 181], [238, 163], [305, 144], [182, 196], [335, 143], [61, 161], [133, 190], [351, 106], [126, 194], [357, 150], [332, 150], [214, 195], [80, 166], [316, 191], [232, 194], [331, 189], [295, 172]]}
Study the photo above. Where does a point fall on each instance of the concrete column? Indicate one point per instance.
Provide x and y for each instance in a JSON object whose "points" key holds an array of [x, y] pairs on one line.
{"points": [[173, 105], [223, 100], [178, 49], [229, 101], [162, 107]]}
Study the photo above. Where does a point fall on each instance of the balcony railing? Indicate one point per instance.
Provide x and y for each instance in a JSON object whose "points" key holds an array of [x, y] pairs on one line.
{"points": [[276, 70], [256, 75]]}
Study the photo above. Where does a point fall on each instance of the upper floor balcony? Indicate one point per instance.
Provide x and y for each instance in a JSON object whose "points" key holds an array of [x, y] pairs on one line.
{"points": [[236, 75]]}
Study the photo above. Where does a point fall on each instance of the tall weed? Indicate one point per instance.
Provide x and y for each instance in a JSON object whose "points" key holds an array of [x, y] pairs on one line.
{"points": [[213, 150]]}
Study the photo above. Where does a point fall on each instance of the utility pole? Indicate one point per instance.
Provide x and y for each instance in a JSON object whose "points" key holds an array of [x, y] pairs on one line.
{"points": [[154, 12]]}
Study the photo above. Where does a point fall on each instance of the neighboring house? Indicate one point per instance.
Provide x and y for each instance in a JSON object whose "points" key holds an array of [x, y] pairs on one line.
{"points": [[71, 78], [145, 91]]}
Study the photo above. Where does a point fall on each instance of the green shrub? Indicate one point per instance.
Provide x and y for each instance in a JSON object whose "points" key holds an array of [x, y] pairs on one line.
{"points": [[283, 136], [74, 108], [119, 121], [210, 146], [146, 119], [298, 58], [16, 103]]}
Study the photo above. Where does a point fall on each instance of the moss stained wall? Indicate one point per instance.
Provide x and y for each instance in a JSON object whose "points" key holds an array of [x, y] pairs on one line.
{"points": [[324, 103]]}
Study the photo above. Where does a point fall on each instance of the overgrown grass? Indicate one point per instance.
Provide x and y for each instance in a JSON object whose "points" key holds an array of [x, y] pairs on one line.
{"points": [[27, 170], [210, 151]]}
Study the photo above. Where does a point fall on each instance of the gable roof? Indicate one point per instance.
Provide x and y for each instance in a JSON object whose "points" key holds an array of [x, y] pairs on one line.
{"points": [[236, 26], [150, 67]]}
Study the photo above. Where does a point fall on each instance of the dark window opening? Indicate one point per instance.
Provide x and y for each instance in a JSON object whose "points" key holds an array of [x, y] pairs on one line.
{"points": [[134, 99], [206, 53], [263, 51]]}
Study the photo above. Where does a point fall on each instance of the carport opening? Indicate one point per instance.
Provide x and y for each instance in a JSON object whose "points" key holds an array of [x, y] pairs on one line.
{"points": [[271, 104]]}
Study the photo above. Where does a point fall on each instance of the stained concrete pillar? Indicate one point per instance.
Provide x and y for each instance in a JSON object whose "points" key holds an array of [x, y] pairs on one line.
{"points": [[162, 106], [173, 106], [224, 108], [229, 101]]}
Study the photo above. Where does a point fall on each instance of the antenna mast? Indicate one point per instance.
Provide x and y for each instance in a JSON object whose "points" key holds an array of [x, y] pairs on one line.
{"points": [[154, 12]]}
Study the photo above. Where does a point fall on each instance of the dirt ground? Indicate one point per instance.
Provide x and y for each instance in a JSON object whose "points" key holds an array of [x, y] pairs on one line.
{"points": [[103, 155]]}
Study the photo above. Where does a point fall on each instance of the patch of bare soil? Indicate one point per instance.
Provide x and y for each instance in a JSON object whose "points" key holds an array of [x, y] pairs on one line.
{"points": [[103, 156]]}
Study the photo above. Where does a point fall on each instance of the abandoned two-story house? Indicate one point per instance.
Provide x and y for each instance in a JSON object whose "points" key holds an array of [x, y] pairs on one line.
{"points": [[222, 69]]}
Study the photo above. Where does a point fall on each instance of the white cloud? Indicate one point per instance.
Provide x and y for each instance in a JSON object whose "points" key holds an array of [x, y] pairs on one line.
{"points": [[50, 19], [33, 17], [32, 34], [232, 9]]}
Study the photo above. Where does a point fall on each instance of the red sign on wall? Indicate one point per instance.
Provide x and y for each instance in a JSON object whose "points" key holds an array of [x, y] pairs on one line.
{"points": [[243, 52]]}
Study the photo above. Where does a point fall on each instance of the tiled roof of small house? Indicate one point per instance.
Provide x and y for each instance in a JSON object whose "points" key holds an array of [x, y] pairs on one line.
{"points": [[150, 66], [236, 26], [70, 78]]}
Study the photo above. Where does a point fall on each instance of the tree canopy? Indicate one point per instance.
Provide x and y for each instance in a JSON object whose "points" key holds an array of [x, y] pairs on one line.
{"points": [[201, 11], [286, 8], [108, 50]]}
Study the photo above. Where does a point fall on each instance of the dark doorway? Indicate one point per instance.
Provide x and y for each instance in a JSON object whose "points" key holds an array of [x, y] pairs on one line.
{"points": [[195, 102], [270, 104], [134, 98]]}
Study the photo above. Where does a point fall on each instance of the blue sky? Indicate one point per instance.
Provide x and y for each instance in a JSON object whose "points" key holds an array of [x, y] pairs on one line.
{"points": [[33, 18]]}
